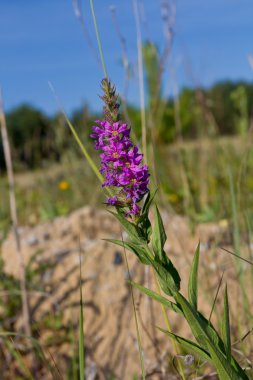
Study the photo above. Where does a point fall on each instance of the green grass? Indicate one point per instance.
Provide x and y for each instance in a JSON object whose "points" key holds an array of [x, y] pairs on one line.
{"points": [[211, 196], [39, 197]]}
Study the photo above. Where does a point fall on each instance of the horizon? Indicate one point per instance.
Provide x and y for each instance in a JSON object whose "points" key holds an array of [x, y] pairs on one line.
{"points": [[100, 110]]}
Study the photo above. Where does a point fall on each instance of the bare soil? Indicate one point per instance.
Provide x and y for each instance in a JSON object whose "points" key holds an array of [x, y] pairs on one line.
{"points": [[110, 334]]}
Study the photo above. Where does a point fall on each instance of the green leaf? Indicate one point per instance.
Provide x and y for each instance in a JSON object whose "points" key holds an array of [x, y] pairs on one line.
{"points": [[220, 344], [168, 276], [209, 328], [137, 249], [18, 359], [36, 346], [193, 280], [223, 367], [192, 318], [205, 339], [188, 344], [159, 236], [199, 325], [132, 230], [239, 369], [157, 297], [148, 201], [225, 327], [145, 226]]}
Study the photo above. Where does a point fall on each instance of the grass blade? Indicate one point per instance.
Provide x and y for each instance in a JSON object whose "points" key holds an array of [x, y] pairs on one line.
{"points": [[149, 199], [193, 280], [216, 296], [132, 230], [225, 327], [136, 320], [81, 332], [98, 39], [35, 344], [159, 236], [188, 344], [206, 339], [237, 245], [237, 256], [224, 369], [138, 250], [79, 142], [19, 360], [155, 296]]}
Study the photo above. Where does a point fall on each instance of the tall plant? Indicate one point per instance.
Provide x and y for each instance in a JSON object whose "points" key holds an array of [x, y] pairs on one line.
{"points": [[127, 182]]}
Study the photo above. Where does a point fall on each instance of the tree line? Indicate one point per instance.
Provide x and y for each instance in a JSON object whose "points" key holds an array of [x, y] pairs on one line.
{"points": [[226, 108]]}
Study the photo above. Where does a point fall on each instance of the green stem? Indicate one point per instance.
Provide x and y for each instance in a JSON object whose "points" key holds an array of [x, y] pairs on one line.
{"points": [[166, 319], [141, 81], [149, 253], [140, 349], [79, 142], [174, 343], [98, 39]]}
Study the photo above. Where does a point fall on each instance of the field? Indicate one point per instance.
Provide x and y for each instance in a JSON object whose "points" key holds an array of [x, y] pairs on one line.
{"points": [[199, 202], [126, 233]]}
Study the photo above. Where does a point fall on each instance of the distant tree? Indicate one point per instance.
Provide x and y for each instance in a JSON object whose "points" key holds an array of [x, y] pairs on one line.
{"points": [[135, 120], [224, 108], [83, 120], [240, 102], [184, 113], [31, 135]]}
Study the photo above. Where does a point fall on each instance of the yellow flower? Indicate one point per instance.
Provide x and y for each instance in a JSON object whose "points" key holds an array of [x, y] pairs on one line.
{"points": [[63, 185], [173, 198], [223, 223]]}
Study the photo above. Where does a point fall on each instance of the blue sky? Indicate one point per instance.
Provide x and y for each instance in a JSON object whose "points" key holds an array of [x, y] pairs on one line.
{"points": [[42, 40]]}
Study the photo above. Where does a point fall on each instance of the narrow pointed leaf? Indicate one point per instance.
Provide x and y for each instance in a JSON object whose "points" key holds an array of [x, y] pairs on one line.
{"points": [[242, 374], [159, 236], [145, 227], [129, 227], [138, 250], [168, 276], [225, 327], [223, 367], [220, 344], [148, 201], [196, 322], [205, 339], [193, 319], [193, 280], [157, 297], [188, 345]]}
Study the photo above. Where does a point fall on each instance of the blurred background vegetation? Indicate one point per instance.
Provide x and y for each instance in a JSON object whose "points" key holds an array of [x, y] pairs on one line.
{"points": [[199, 151], [225, 109]]}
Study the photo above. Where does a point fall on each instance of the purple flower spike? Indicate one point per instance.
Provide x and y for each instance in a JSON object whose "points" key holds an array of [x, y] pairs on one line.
{"points": [[121, 165], [120, 158]]}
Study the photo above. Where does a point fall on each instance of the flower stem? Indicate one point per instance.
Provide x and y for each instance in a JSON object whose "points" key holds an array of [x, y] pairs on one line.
{"points": [[168, 325], [140, 348], [141, 81], [98, 39]]}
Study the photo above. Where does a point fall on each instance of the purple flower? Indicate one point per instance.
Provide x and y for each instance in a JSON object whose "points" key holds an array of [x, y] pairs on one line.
{"points": [[121, 165], [112, 201]]}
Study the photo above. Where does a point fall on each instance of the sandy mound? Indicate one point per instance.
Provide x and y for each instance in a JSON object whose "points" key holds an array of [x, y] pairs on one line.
{"points": [[111, 345]]}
